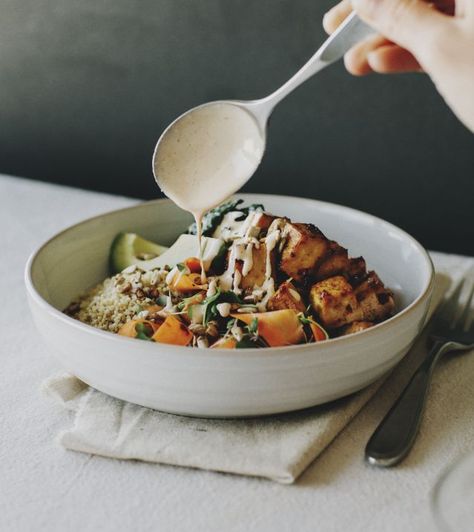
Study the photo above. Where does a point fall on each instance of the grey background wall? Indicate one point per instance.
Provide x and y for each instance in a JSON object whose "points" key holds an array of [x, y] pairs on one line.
{"points": [[86, 87]]}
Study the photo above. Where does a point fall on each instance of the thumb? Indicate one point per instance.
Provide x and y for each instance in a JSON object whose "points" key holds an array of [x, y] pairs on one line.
{"points": [[412, 24]]}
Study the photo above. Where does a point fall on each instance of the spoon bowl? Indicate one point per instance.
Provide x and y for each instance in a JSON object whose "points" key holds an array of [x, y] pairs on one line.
{"points": [[211, 151], [220, 141]]}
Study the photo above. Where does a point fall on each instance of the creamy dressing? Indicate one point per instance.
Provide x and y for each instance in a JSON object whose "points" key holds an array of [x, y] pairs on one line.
{"points": [[207, 155]]}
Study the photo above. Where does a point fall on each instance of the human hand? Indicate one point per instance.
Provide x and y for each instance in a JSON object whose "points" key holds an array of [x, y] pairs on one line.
{"points": [[437, 38]]}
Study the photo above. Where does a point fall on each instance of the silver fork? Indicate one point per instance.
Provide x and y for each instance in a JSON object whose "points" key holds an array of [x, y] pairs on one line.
{"points": [[453, 331]]}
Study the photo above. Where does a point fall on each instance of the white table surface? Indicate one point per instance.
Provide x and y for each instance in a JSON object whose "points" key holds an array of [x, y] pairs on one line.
{"points": [[44, 487]]}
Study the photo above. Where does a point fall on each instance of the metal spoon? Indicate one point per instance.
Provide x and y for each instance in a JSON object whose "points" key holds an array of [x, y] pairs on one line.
{"points": [[351, 31]]}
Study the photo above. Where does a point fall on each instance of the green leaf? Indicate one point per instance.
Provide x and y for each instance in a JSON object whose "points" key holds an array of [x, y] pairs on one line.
{"points": [[211, 303], [246, 343], [144, 331], [253, 207], [303, 319], [186, 302], [214, 217], [181, 267], [231, 297], [230, 324], [253, 327], [210, 310]]}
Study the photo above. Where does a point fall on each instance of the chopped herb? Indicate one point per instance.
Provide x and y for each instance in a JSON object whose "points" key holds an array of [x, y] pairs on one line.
{"points": [[144, 331], [230, 324], [303, 319], [253, 327]]}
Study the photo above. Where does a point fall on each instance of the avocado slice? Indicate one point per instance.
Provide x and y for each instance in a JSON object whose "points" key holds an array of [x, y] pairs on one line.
{"points": [[186, 246], [129, 248]]}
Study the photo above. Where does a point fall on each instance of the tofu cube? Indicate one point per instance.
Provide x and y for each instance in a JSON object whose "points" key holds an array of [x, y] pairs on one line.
{"points": [[375, 301], [304, 249], [287, 297], [335, 302]]}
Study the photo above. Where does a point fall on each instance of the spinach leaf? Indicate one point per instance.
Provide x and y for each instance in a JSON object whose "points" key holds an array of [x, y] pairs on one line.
{"points": [[211, 303], [214, 217], [246, 343], [250, 342]]}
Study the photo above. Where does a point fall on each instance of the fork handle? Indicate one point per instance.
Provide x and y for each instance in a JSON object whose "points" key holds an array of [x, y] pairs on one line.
{"points": [[396, 433]]}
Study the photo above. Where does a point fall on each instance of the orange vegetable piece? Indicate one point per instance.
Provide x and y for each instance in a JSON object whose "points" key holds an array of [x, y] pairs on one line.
{"points": [[173, 331], [153, 308], [193, 264], [186, 282], [278, 327], [318, 332], [128, 329], [225, 343]]}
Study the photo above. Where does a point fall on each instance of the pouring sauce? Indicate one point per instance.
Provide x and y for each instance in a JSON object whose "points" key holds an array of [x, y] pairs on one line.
{"points": [[207, 155]]}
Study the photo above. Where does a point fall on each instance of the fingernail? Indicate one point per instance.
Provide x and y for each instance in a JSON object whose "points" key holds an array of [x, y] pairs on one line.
{"points": [[372, 58]]}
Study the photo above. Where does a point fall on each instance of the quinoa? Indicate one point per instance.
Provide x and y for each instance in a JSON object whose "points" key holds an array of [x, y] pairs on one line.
{"points": [[112, 303]]}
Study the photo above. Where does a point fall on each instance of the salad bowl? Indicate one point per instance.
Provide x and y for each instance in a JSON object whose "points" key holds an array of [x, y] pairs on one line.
{"points": [[217, 382]]}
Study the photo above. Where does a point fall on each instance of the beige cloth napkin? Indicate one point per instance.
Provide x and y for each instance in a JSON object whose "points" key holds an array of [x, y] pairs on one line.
{"points": [[275, 447]]}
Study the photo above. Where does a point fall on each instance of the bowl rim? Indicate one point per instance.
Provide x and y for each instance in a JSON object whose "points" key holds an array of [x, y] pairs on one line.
{"points": [[252, 352]]}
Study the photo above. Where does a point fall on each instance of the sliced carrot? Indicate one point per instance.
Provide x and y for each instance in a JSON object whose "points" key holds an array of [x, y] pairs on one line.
{"points": [[225, 343], [278, 327], [193, 264], [129, 328], [318, 332], [173, 331], [186, 282]]}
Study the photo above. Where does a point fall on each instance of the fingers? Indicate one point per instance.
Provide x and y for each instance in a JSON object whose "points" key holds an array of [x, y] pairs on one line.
{"points": [[391, 59], [336, 15], [356, 58], [377, 54], [408, 23]]}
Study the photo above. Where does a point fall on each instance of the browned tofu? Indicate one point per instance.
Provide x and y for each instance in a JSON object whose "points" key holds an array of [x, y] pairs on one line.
{"points": [[305, 248], [356, 326], [375, 301], [336, 262], [357, 268], [287, 296], [257, 274], [335, 302], [265, 220]]}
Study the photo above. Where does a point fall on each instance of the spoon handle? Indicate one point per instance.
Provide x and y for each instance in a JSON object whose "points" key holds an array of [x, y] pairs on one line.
{"points": [[349, 33]]}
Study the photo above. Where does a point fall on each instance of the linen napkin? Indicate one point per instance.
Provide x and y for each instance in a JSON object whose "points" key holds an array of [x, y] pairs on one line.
{"points": [[277, 447]]}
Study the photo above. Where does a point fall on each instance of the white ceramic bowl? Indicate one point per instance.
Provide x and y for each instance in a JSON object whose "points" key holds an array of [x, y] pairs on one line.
{"points": [[226, 383]]}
